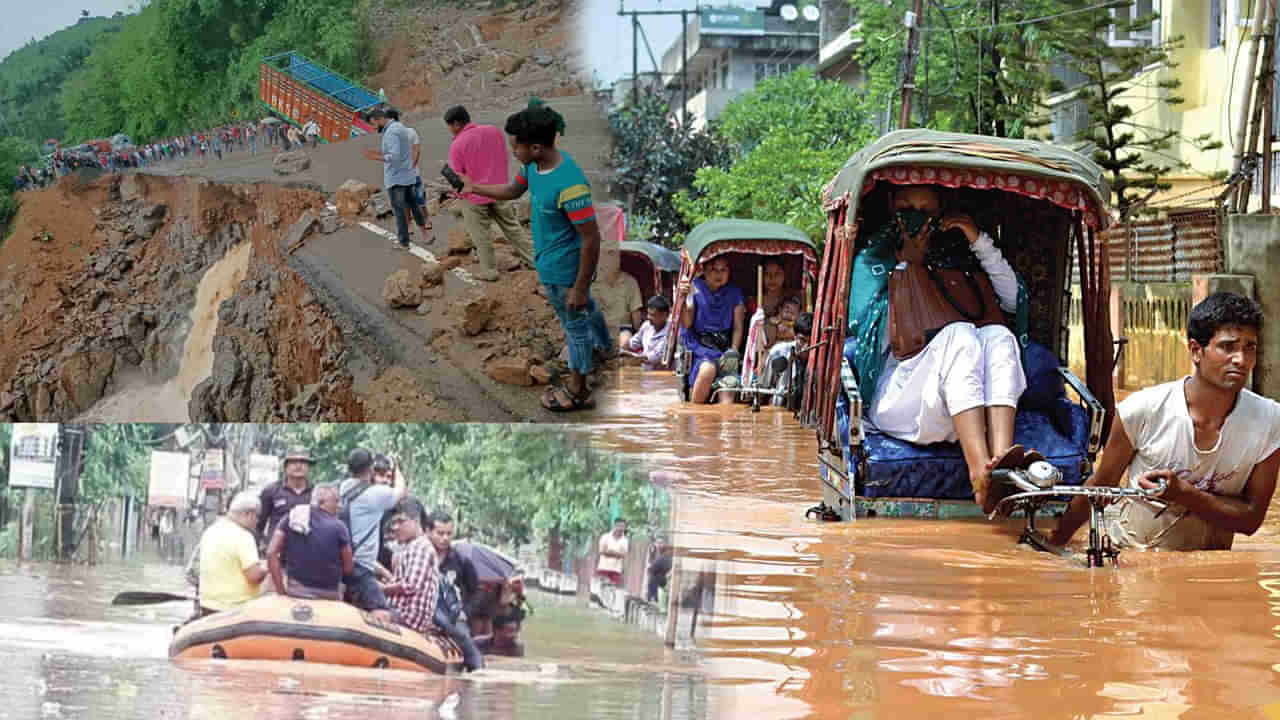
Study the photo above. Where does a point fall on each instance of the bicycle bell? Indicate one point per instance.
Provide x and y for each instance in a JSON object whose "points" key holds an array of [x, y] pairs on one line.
{"points": [[1044, 474]]}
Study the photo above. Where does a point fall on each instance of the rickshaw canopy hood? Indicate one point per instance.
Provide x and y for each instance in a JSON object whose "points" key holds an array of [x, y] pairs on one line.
{"points": [[664, 259], [713, 231], [1001, 158]]}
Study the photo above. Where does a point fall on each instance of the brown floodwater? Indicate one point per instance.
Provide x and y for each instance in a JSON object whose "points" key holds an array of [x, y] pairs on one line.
{"points": [[885, 618], [68, 653]]}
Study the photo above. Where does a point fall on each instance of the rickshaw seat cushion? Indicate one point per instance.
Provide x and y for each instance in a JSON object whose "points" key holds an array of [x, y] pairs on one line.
{"points": [[1045, 384], [896, 468]]}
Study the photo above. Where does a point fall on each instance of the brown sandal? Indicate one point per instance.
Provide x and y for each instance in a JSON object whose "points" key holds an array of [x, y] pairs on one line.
{"points": [[577, 401]]}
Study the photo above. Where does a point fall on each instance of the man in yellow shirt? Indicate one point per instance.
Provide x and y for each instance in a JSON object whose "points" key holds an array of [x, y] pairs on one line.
{"points": [[230, 570]]}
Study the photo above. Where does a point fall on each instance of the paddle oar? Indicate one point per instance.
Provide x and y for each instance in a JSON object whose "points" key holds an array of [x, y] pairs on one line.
{"points": [[147, 598]]}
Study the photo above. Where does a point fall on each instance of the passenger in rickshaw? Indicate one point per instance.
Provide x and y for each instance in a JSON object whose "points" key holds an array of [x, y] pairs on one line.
{"points": [[713, 319], [650, 342], [774, 290], [964, 384], [780, 341]]}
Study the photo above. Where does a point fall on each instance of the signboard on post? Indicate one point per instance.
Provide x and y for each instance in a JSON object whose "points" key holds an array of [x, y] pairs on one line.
{"points": [[168, 482], [731, 21], [33, 455], [212, 476], [263, 470]]}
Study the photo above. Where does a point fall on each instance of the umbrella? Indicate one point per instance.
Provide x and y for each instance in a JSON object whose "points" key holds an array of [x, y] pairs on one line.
{"points": [[491, 566]]}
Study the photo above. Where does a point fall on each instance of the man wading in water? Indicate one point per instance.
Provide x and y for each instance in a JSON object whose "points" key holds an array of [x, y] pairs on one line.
{"points": [[1214, 492]]}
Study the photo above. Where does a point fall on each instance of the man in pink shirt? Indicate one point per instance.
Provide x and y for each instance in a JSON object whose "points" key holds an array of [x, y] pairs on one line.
{"points": [[480, 153]]}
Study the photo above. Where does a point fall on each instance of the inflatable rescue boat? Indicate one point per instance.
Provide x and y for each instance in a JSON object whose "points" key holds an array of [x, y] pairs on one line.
{"points": [[276, 627]]}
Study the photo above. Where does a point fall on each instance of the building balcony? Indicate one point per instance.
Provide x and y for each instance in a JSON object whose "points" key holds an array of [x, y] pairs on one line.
{"points": [[707, 105], [840, 47]]}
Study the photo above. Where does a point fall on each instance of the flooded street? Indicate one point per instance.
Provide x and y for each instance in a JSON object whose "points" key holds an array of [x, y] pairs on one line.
{"points": [[899, 619], [70, 654]]}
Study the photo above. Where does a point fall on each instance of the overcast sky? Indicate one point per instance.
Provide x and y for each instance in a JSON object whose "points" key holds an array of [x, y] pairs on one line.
{"points": [[24, 20], [606, 36]]}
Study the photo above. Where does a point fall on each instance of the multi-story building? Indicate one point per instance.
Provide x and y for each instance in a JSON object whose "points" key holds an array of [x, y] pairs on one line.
{"points": [[730, 49], [1210, 66], [839, 39]]}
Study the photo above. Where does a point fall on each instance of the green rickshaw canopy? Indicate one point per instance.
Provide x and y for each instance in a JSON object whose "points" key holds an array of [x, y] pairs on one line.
{"points": [[1029, 167], [720, 229]]}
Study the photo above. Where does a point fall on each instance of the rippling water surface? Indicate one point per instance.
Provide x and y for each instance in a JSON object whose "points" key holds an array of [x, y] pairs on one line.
{"points": [[68, 653], [899, 619]]}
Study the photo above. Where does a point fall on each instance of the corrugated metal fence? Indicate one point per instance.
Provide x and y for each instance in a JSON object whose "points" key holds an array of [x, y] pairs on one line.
{"points": [[1170, 249]]}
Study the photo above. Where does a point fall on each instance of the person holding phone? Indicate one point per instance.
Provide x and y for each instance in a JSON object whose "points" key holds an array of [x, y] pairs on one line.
{"points": [[480, 152], [566, 241]]}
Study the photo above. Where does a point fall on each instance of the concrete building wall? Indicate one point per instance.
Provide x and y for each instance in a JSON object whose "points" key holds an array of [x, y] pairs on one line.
{"points": [[1253, 248]]}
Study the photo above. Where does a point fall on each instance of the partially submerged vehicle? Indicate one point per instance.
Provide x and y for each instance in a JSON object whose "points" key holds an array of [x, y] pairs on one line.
{"points": [[747, 245], [653, 266], [1045, 207]]}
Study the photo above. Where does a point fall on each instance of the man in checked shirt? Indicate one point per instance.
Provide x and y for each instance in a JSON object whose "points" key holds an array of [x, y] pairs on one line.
{"points": [[415, 575]]}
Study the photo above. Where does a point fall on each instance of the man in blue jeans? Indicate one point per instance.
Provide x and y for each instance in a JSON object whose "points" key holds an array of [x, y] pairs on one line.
{"points": [[398, 174], [566, 244], [363, 503]]}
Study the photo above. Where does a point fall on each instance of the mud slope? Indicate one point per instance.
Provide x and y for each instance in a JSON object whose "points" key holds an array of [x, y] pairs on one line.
{"points": [[97, 284]]}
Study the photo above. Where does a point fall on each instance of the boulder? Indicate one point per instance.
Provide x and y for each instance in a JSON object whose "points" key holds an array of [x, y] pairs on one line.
{"points": [[540, 374], [429, 274], [459, 241], [329, 224], [509, 64], [401, 290], [299, 230], [511, 371], [450, 263], [479, 315], [288, 163], [82, 378], [505, 260], [351, 197]]}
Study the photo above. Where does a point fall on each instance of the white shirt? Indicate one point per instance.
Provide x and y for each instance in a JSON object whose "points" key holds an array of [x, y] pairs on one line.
{"points": [[612, 544], [414, 142], [1158, 423], [650, 343]]}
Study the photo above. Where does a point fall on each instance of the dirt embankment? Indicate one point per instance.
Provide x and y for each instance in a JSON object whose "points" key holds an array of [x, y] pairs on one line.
{"points": [[97, 283], [477, 56]]}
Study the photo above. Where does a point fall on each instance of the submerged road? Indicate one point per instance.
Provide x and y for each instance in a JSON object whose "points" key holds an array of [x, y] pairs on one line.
{"points": [[884, 618], [70, 654]]}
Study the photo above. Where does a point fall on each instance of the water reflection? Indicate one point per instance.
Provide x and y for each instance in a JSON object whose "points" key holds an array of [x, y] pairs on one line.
{"points": [[898, 618]]}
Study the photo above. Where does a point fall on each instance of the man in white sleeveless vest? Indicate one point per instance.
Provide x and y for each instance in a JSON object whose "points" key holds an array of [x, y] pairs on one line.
{"points": [[1215, 442]]}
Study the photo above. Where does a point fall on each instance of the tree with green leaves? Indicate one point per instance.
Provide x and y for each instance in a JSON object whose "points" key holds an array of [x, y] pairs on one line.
{"points": [[980, 67], [790, 136], [1123, 70], [654, 158]]}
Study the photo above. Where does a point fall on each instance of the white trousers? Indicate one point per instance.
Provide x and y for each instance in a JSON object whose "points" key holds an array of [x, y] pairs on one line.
{"points": [[962, 367]]}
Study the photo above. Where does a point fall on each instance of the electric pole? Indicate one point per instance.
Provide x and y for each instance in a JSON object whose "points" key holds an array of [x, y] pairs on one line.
{"points": [[912, 21]]}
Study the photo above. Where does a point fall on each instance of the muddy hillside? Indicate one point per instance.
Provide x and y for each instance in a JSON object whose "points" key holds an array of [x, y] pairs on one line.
{"points": [[99, 281], [485, 55], [268, 286]]}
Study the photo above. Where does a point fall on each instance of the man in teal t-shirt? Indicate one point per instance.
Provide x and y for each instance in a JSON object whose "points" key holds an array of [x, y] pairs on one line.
{"points": [[566, 244]]}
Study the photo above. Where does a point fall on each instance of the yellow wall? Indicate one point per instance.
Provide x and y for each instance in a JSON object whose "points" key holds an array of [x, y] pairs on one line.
{"points": [[1212, 104]]}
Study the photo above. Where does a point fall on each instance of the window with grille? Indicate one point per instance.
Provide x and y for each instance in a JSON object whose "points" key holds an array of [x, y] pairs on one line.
{"points": [[1124, 32], [1071, 122]]}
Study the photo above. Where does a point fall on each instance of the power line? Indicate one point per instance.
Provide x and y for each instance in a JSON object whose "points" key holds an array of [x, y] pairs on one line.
{"points": [[1028, 21]]}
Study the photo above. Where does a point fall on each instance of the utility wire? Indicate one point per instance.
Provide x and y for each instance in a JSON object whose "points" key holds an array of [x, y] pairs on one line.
{"points": [[1028, 21]]}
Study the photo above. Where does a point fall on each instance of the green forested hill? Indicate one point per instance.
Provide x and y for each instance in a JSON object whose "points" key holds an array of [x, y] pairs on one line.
{"points": [[32, 76]]}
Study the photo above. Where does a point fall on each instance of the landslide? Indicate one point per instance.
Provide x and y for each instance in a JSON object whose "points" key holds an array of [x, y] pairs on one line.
{"points": [[433, 56], [97, 285]]}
